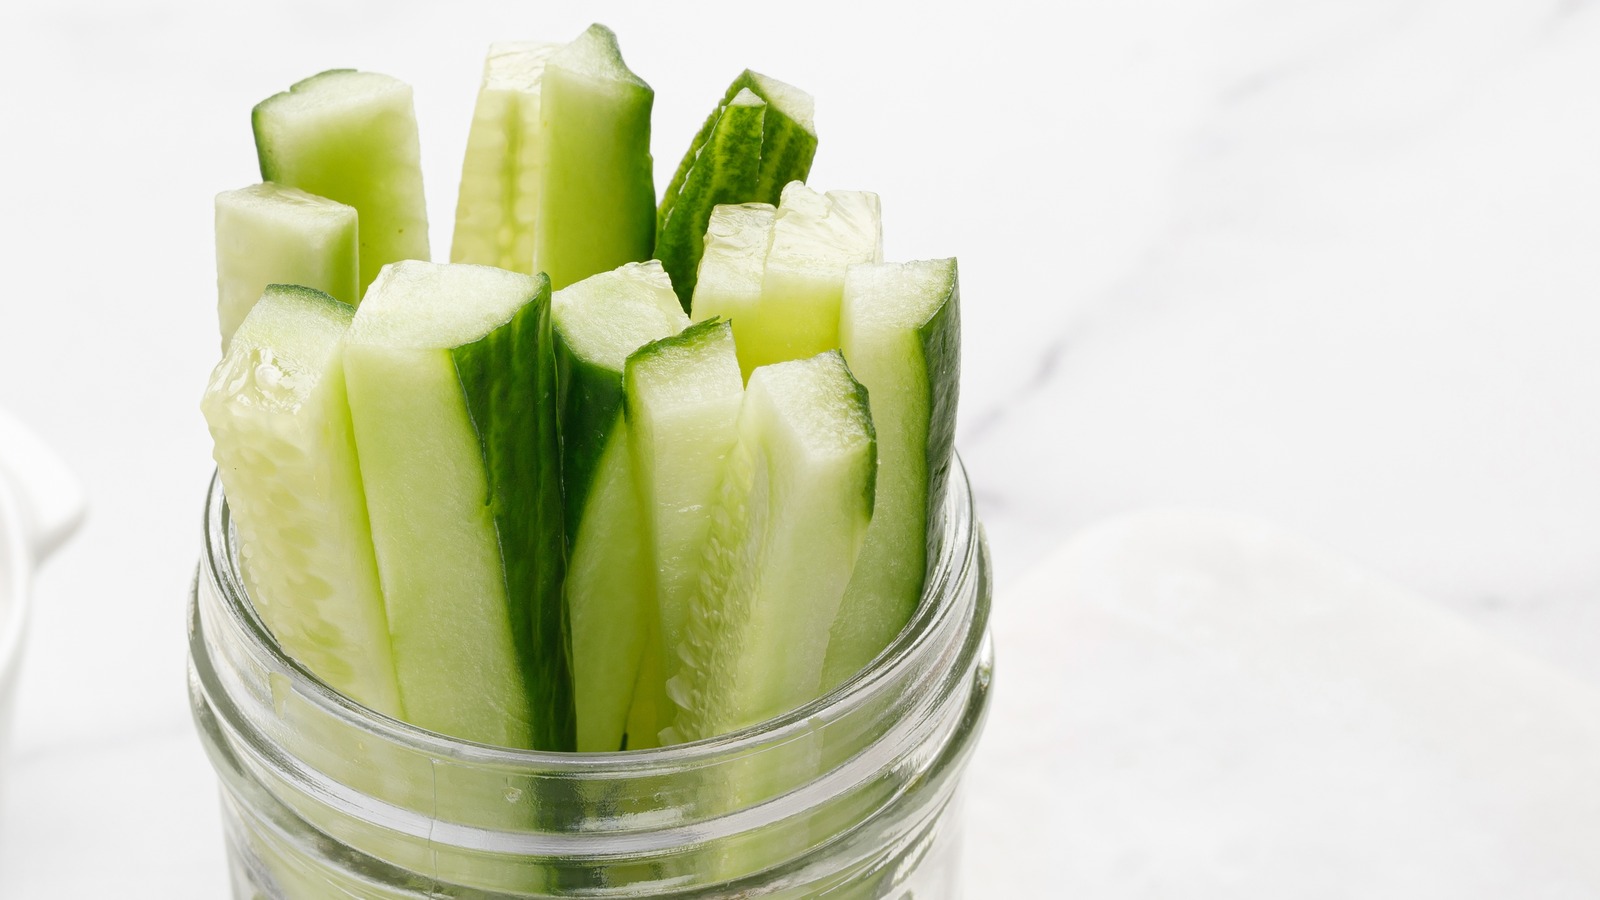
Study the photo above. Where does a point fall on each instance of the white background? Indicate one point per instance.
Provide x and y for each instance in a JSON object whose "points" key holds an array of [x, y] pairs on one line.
{"points": [[1334, 262]]}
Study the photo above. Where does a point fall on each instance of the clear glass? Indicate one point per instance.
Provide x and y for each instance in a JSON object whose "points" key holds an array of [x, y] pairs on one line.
{"points": [[852, 796]]}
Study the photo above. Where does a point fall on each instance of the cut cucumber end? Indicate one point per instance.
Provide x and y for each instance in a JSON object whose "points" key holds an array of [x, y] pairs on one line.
{"points": [[352, 137], [595, 55], [271, 234]]}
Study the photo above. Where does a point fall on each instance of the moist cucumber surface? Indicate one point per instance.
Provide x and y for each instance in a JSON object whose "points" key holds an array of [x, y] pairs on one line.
{"points": [[791, 514], [610, 588], [352, 137], [271, 234], [451, 391], [558, 176], [733, 264], [682, 399], [815, 237], [899, 327], [286, 456], [783, 294]]}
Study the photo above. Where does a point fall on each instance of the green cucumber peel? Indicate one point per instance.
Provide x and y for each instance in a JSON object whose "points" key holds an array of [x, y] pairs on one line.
{"points": [[760, 138], [724, 170], [467, 523], [351, 137]]}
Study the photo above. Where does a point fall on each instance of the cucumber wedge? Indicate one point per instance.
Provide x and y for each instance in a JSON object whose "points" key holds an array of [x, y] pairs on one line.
{"points": [[723, 168], [501, 174], [287, 459], [558, 176], [759, 138], [900, 328], [352, 137], [271, 234], [682, 405], [451, 386], [792, 513], [733, 264], [599, 202], [795, 313], [610, 589]]}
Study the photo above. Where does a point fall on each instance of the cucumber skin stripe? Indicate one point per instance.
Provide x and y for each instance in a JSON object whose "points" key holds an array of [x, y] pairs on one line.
{"points": [[504, 372]]}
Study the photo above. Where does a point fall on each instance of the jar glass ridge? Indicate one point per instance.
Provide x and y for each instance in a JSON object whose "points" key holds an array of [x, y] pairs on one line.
{"points": [[851, 796]]}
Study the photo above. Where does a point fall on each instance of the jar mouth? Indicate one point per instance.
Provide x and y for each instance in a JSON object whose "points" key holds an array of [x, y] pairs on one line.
{"points": [[955, 564]]}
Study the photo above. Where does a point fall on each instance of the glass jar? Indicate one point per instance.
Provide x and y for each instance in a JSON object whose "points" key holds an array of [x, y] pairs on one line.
{"points": [[852, 796]]}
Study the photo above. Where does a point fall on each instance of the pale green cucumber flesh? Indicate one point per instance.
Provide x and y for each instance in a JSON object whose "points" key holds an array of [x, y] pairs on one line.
{"points": [[900, 331], [610, 590], [723, 169], [733, 264], [451, 377], [647, 712], [597, 201], [351, 137], [272, 234], [782, 290], [791, 515], [502, 170], [682, 402], [287, 460], [814, 239]]}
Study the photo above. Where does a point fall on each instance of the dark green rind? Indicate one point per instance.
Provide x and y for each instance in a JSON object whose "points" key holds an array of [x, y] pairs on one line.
{"points": [[694, 334], [941, 354], [786, 151], [509, 381], [864, 409], [724, 170], [787, 147], [589, 397]]}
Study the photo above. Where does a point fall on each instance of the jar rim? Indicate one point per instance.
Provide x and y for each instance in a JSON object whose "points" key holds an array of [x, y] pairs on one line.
{"points": [[955, 563]]}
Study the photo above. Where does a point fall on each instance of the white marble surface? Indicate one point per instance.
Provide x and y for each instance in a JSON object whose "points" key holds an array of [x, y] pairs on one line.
{"points": [[1331, 263]]}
